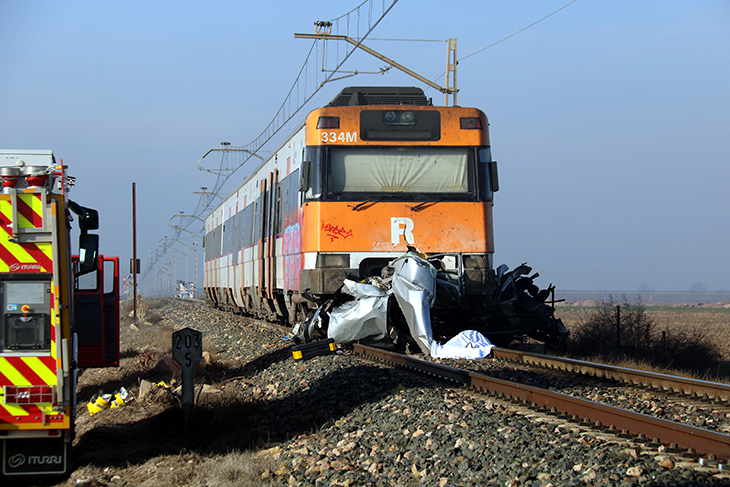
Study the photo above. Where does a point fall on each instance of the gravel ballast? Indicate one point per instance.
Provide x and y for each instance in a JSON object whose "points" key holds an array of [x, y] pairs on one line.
{"points": [[341, 420]]}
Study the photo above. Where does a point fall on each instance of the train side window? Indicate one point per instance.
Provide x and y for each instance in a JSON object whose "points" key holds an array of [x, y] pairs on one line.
{"points": [[239, 222], [231, 235], [256, 228], [277, 210], [249, 223], [241, 229], [294, 195], [285, 184], [217, 241], [312, 173]]}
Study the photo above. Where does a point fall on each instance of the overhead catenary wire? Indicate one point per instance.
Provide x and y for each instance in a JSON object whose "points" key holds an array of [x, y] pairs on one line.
{"points": [[286, 113], [515, 33], [509, 36], [281, 118]]}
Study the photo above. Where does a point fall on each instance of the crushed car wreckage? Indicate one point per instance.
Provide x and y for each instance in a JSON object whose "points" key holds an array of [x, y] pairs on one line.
{"points": [[413, 306]]}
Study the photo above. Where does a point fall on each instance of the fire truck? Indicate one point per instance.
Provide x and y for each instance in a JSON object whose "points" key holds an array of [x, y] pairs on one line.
{"points": [[58, 311]]}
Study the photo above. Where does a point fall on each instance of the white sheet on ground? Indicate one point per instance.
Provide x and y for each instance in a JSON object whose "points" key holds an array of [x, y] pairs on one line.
{"points": [[467, 344]]}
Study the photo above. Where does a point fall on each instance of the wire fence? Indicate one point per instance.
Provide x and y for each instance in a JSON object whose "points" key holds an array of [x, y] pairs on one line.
{"points": [[720, 297]]}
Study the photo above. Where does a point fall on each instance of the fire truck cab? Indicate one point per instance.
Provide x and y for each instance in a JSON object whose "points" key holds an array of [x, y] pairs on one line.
{"points": [[58, 312]]}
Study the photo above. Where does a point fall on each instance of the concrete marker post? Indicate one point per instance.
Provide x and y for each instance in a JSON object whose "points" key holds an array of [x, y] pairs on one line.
{"points": [[187, 350]]}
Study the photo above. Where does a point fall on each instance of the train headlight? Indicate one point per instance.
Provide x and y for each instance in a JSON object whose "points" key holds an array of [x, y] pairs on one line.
{"points": [[407, 118], [399, 117], [333, 260]]}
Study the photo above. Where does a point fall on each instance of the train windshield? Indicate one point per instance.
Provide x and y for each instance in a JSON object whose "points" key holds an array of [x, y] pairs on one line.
{"points": [[443, 171]]}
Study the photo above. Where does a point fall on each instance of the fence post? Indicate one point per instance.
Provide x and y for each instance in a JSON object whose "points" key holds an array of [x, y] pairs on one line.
{"points": [[618, 326]]}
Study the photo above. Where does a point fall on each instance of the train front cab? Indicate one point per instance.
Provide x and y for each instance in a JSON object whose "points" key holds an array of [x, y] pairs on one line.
{"points": [[377, 179], [376, 175]]}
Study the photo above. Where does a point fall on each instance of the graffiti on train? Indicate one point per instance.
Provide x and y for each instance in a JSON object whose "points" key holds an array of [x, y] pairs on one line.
{"points": [[292, 256], [335, 232]]}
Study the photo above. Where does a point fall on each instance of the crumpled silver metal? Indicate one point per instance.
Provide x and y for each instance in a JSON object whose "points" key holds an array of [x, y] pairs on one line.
{"points": [[364, 317], [415, 290], [367, 315]]}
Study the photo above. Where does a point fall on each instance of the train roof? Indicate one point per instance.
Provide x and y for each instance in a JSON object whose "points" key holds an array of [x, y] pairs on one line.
{"points": [[380, 95]]}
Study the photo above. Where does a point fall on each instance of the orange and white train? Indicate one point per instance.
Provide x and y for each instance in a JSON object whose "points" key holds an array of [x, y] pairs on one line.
{"points": [[58, 312], [374, 171]]}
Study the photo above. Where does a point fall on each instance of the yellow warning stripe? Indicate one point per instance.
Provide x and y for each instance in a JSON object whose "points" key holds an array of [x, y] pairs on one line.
{"points": [[22, 255], [15, 377], [34, 363], [47, 249], [14, 410], [31, 200], [7, 210], [36, 205], [54, 331], [46, 375]]}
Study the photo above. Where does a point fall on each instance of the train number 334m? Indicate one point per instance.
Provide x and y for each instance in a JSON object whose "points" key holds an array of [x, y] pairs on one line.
{"points": [[332, 137]]}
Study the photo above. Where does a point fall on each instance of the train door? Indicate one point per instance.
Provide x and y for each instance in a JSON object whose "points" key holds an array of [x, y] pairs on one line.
{"points": [[271, 235], [96, 314], [267, 243], [262, 209]]}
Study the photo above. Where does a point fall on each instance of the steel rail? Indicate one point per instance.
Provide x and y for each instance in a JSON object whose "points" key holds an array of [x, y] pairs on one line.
{"points": [[686, 437], [680, 385]]}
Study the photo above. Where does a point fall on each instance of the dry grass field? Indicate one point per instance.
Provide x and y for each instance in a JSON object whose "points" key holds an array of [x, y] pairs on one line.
{"points": [[711, 321]]}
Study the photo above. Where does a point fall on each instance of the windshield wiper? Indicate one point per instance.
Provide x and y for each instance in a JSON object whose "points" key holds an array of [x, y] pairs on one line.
{"points": [[370, 200], [424, 203]]}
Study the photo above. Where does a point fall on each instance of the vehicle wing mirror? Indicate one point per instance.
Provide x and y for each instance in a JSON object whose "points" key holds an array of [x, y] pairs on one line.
{"points": [[493, 176], [88, 218], [88, 253]]}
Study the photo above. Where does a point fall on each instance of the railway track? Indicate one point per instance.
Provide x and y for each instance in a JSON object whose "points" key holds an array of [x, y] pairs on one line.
{"points": [[683, 386], [679, 399], [352, 419], [677, 437]]}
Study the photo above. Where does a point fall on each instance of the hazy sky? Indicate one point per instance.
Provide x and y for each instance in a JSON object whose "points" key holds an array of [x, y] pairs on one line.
{"points": [[610, 120]]}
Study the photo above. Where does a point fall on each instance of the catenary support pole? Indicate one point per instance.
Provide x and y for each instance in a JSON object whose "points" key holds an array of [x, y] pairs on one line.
{"points": [[134, 249]]}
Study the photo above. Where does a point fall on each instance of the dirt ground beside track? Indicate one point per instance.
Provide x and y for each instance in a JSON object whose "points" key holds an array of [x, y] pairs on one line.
{"points": [[143, 444], [710, 319]]}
